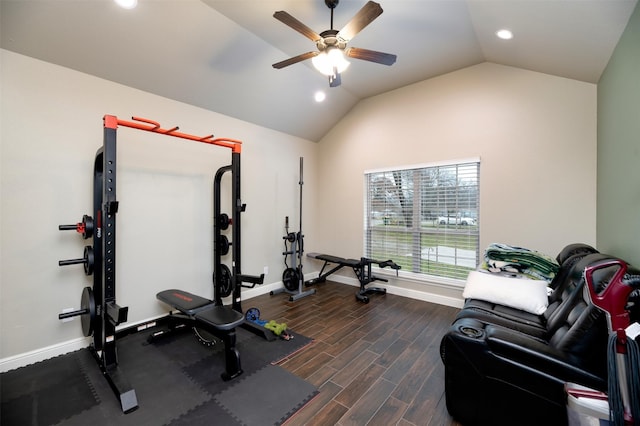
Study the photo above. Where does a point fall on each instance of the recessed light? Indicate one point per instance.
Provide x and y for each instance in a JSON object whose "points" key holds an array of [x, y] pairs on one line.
{"points": [[127, 4], [504, 34], [319, 96]]}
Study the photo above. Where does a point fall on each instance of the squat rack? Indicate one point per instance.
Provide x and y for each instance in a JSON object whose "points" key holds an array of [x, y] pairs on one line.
{"points": [[99, 310]]}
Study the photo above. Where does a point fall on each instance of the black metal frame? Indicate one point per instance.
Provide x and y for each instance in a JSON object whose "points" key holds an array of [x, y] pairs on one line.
{"points": [[361, 268], [236, 265], [104, 314], [108, 313], [294, 250]]}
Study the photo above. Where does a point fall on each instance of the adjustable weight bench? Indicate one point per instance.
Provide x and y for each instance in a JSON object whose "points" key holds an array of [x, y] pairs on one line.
{"points": [[196, 311], [362, 269]]}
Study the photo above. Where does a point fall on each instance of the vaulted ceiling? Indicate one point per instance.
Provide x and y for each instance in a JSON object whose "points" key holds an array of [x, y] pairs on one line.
{"points": [[217, 54]]}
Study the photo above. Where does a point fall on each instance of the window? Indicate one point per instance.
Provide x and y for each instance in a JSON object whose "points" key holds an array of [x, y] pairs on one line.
{"points": [[425, 218]]}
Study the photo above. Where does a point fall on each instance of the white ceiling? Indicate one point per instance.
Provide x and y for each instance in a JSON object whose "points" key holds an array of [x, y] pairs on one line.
{"points": [[217, 54]]}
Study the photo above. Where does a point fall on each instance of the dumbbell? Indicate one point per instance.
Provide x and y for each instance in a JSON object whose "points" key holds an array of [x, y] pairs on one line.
{"points": [[87, 260], [85, 227]]}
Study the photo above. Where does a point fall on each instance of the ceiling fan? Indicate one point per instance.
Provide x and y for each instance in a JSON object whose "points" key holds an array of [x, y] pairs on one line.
{"points": [[329, 59]]}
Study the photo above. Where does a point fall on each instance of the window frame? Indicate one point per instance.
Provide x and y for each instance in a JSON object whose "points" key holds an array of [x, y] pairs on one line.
{"points": [[462, 264]]}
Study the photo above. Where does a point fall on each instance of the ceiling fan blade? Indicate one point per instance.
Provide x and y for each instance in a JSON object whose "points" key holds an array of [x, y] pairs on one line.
{"points": [[371, 55], [364, 17], [289, 20], [295, 60]]}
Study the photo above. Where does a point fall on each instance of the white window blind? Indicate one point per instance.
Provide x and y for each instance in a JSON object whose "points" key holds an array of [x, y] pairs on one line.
{"points": [[425, 218]]}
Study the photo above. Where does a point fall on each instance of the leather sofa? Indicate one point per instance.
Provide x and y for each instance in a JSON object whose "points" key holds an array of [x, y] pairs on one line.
{"points": [[507, 366]]}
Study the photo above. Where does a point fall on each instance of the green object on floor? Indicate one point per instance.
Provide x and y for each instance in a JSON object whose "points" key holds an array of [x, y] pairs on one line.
{"points": [[277, 329]]}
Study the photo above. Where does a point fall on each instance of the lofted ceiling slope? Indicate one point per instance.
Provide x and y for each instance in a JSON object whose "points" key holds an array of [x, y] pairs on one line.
{"points": [[217, 54]]}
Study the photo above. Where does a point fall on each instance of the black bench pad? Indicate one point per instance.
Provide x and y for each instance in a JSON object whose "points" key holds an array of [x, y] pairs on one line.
{"points": [[203, 310], [335, 259], [220, 317], [185, 302]]}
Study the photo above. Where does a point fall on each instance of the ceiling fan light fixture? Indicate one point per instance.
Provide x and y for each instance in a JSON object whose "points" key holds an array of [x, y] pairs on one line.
{"points": [[330, 61]]}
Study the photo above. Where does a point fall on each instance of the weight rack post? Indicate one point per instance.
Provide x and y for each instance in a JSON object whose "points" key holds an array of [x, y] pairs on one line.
{"points": [[104, 280], [222, 283], [99, 306]]}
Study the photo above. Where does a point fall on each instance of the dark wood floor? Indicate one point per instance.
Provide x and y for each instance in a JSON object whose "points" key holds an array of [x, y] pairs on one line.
{"points": [[374, 364]]}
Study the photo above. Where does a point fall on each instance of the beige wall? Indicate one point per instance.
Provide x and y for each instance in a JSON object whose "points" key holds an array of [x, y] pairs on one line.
{"points": [[51, 129], [534, 133]]}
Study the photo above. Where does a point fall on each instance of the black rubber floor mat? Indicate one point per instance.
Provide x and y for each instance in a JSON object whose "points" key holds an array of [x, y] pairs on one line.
{"points": [[163, 391], [271, 352], [267, 397], [207, 414], [32, 395], [176, 381]]}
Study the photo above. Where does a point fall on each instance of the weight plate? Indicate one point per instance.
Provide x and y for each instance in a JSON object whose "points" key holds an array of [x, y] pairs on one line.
{"points": [[225, 282], [252, 314], [290, 279], [88, 260], [88, 302], [223, 245], [223, 221], [87, 224]]}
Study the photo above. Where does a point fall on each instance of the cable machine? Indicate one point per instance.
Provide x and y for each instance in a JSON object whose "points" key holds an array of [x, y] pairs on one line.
{"points": [[293, 277], [100, 314]]}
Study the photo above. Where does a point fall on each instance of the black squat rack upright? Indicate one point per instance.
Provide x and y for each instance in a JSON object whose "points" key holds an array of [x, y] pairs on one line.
{"points": [[293, 276], [100, 314]]}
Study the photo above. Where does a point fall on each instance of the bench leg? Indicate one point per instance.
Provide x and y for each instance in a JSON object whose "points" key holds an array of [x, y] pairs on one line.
{"points": [[231, 356], [363, 294]]}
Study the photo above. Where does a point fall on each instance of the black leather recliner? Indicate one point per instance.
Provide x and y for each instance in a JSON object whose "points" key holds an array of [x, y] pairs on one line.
{"points": [[504, 366], [566, 285]]}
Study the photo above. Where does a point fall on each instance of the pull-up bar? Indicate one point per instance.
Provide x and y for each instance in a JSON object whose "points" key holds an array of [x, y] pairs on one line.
{"points": [[139, 123]]}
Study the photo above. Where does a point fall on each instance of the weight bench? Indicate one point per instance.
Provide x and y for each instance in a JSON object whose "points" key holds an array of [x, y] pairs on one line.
{"points": [[196, 311], [362, 269]]}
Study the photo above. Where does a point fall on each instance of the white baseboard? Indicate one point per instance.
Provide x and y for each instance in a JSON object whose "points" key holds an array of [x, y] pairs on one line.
{"points": [[21, 360], [259, 290]]}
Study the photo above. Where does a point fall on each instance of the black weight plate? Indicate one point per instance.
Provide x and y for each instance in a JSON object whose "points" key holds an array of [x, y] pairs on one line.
{"points": [[223, 245], [87, 221], [225, 284], [290, 279], [87, 320], [223, 221], [88, 260]]}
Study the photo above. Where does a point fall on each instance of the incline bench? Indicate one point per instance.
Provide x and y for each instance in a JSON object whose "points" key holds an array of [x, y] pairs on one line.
{"points": [[362, 269], [218, 320]]}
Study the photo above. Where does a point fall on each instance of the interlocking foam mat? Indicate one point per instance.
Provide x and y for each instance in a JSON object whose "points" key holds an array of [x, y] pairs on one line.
{"points": [[177, 381]]}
